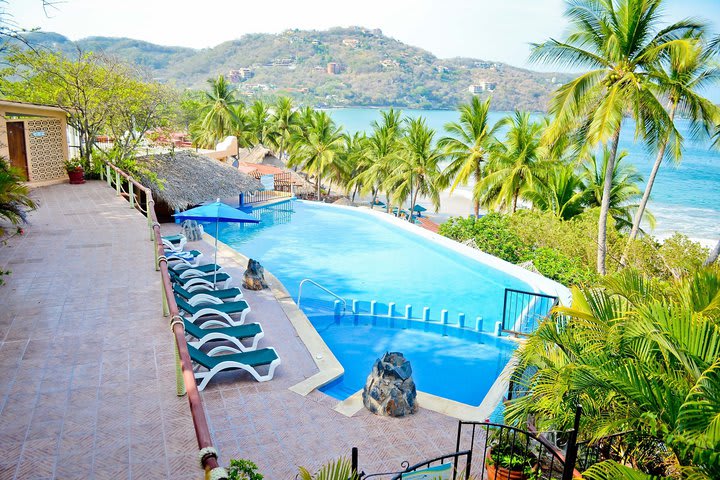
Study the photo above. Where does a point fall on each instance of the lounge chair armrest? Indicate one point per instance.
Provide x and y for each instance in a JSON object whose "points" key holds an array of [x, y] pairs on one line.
{"points": [[223, 348], [203, 298]]}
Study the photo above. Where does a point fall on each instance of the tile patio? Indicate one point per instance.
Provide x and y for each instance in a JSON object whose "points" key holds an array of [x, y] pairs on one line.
{"points": [[87, 371]]}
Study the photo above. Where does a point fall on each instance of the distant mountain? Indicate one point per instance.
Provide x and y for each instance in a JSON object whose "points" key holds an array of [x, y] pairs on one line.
{"points": [[338, 67]]}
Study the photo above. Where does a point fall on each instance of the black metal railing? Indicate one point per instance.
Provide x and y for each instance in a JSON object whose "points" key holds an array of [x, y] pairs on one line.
{"points": [[459, 465], [546, 460], [523, 311]]}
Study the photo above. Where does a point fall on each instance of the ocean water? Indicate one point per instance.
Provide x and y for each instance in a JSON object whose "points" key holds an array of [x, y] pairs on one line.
{"points": [[685, 197]]}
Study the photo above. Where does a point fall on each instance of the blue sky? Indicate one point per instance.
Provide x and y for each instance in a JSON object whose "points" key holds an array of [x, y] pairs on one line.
{"points": [[498, 30]]}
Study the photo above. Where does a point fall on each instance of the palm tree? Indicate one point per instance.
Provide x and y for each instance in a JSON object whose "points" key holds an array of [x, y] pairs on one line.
{"points": [[318, 147], [623, 187], [469, 144], [679, 78], [713, 256], [417, 171], [14, 199], [515, 165], [638, 356], [355, 161], [381, 154], [258, 118], [218, 116], [284, 120], [618, 42], [561, 192]]}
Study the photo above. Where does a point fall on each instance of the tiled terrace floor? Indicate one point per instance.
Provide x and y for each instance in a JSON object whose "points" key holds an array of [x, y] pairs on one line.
{"points": [[87, 380]]}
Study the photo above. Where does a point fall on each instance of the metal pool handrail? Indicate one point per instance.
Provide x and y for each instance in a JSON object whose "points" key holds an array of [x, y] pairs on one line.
{"points": [[209, 455], [342, 300]]}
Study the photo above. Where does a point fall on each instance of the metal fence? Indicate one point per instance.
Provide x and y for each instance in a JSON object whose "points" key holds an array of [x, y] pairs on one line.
{"points": [[523, 311]]}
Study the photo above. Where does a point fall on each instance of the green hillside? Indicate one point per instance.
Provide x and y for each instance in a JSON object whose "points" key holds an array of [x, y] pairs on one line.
{"points": [[372, 69]]}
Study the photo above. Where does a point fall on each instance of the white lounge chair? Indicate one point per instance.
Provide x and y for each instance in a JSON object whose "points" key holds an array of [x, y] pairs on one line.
{"points": [[176, 243], [213, 307], [207, 366], [231, 335]]}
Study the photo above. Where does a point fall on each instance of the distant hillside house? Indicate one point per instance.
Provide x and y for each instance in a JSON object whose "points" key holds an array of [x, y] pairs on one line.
{"points": [[333, 68], [240, 75], [482, 87], [442, 69], [389, 63], [351, 42]]}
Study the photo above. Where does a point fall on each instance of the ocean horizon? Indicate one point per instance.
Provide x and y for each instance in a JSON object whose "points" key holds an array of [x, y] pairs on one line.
{"points": [[685, 197]]}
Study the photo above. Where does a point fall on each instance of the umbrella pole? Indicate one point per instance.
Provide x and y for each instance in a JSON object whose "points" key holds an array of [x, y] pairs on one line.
{"points": [[217, 229]]}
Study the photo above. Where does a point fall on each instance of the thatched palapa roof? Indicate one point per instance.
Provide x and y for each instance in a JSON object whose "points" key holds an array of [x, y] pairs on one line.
{"points": [[189, 179], [259, 154]]}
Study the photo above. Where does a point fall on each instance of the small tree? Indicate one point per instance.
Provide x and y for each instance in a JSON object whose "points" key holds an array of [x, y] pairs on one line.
{"points": [[98, 93]]}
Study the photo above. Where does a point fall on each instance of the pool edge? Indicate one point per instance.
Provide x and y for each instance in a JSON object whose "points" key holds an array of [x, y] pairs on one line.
{"points": [[329, 367]]}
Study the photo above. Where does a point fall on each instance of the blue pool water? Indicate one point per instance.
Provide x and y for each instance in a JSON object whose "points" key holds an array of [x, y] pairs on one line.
{"points": [[361, 257], [461, 366]]}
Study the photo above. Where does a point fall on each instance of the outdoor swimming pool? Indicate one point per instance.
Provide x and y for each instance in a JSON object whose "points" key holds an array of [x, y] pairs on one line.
{"points": [[361, 257]]}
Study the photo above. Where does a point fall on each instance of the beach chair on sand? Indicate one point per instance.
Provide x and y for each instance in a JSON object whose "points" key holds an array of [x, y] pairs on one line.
{"points": [[206, 366], [176, 243], [211, 281], [232, 335], [187, 271], [197, 311], [201, 292]]}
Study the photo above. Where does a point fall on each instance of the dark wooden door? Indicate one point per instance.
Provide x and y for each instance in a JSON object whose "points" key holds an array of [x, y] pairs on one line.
{"points": [[16, 145]]}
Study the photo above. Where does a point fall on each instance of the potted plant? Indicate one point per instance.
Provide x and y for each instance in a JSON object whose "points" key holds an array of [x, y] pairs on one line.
{"points": [[509, 457], [75, 171]]}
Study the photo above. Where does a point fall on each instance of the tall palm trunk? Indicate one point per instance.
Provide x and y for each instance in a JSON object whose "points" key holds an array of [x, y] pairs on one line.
{"points": [[516, 194], [317, 187], [476, 201], [712, 258], [648, 189], [605, 205]]}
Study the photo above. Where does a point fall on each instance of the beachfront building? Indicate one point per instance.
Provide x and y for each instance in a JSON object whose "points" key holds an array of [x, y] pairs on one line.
{"points": [[333, 68], [35, 140]]}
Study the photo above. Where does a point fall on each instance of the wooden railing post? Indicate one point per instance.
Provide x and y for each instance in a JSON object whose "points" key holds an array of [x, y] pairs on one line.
{"points": [[165, 304], [179, 381], [131, 191], [107, 175], [117, 182], [148, 204]]}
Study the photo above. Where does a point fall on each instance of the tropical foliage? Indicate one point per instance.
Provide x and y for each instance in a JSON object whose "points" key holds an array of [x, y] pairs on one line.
{"points": [[14, 196], [639, 355]]}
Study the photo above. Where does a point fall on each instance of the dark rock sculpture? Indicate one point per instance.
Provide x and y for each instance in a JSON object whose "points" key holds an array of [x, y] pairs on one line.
{"points": [[390, 389], [254, 277]]}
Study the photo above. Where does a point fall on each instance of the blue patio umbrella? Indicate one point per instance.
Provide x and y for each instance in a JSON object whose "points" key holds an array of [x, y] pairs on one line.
{"points": [[216, 212], [419, 209]]}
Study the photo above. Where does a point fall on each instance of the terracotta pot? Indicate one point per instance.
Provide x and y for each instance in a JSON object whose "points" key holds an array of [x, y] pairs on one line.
{"points": [[77, 176], [496, 472]]}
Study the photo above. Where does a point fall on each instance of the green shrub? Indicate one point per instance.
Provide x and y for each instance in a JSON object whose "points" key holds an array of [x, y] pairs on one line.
{"points": [[492, 234], [243, 470], [561, 268]]}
